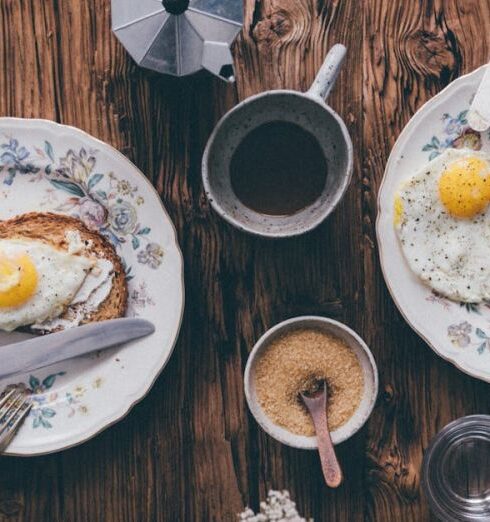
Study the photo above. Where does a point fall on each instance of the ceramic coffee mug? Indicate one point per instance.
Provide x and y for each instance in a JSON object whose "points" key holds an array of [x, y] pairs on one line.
{"points": [[309, 111]]}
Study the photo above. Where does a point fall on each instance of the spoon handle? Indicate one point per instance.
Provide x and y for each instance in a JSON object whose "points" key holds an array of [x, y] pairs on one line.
{"points": [[330, 464]]}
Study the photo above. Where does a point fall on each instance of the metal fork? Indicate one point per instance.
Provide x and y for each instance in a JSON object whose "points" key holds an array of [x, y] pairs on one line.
{"points": [[15, 404]]}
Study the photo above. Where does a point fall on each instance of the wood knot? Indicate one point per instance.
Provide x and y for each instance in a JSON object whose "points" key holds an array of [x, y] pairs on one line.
{"points": [[399, 473], [389, 393], [273, 28], [281, 24], [431, 54]]}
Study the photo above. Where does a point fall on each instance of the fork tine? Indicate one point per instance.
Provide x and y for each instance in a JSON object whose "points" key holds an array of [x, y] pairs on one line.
{"points": [[6, 396], [15, 404], [10, 415], [13, 398], [10, 390], [7, 435]]}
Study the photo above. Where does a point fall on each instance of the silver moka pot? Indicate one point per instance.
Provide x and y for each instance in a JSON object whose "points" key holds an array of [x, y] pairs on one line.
{"points": [[179, 37]]}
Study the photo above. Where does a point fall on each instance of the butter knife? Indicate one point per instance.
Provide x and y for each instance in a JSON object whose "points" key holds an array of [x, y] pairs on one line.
{"points": [[479, 112], [25, 356]]}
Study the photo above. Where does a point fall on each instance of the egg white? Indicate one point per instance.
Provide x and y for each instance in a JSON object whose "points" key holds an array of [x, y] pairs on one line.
{"points": [[451, 255], [93, 292], [60, 276]]}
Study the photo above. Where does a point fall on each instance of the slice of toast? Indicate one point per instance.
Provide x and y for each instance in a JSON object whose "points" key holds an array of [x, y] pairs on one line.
{"points": [[51, 229]]}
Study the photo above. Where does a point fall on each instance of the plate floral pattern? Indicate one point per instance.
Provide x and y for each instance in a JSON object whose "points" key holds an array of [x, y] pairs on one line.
{"points": [[48, 167], [111, 211], [458, 332]]}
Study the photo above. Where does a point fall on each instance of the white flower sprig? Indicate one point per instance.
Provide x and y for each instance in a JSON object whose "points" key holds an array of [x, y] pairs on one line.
{"points": [[277, 508]]}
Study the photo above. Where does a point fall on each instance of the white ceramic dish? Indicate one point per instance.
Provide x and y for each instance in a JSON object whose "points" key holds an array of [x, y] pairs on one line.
{"points": [[458, 333], [49, 167], [362, 352]]}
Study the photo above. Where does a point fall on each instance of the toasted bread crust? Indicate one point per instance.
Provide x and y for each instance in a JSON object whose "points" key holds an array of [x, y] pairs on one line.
{"points": [[51, 228]]}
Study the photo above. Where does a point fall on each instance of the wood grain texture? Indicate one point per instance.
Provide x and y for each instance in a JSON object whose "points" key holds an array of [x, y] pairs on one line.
{"points": [[190, 451]]}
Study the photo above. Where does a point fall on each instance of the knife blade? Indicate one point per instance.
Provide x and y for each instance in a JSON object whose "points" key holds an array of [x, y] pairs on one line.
{"points": [[479, 112], [48, 349]]}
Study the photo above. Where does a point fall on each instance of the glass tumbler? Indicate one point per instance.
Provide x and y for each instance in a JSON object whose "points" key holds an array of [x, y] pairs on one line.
{"points": [[456, 471]]}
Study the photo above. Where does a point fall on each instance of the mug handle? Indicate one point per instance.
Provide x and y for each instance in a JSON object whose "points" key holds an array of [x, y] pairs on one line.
{"points": [[325, 79]]}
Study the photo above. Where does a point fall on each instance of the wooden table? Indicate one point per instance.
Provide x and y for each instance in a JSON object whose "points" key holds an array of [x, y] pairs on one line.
{"points": [[190, 451]]}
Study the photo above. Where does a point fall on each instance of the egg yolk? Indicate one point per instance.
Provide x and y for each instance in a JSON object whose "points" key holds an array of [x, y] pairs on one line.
{"points": [[464, 187], [18, 280], [398, 211]]}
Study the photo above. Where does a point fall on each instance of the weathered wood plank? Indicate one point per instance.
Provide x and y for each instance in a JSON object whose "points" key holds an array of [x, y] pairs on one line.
{"points": [[411, 53], [190, 451]]}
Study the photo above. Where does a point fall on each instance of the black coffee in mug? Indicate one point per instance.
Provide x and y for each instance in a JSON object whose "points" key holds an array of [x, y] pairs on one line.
{"points": [[270, 179], [278, 169]]}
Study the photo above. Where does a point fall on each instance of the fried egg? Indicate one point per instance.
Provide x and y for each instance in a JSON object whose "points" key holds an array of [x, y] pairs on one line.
{"points": [[37, 281], [442, 219]]}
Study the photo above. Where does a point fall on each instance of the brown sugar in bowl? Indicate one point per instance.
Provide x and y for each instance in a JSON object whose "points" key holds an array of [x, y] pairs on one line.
{"points": [[285, 421]]}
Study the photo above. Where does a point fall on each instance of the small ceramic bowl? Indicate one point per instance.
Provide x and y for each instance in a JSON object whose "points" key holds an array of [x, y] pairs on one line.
{"points": [[307, 110], [364, 356]]}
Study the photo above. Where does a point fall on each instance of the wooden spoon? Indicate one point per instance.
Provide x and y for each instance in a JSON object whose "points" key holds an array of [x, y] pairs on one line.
{"points": [[316, 402]]}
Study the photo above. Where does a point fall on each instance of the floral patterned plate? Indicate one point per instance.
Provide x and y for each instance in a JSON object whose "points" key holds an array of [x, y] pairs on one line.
{"points": [[49, 167], [460, 333]]}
